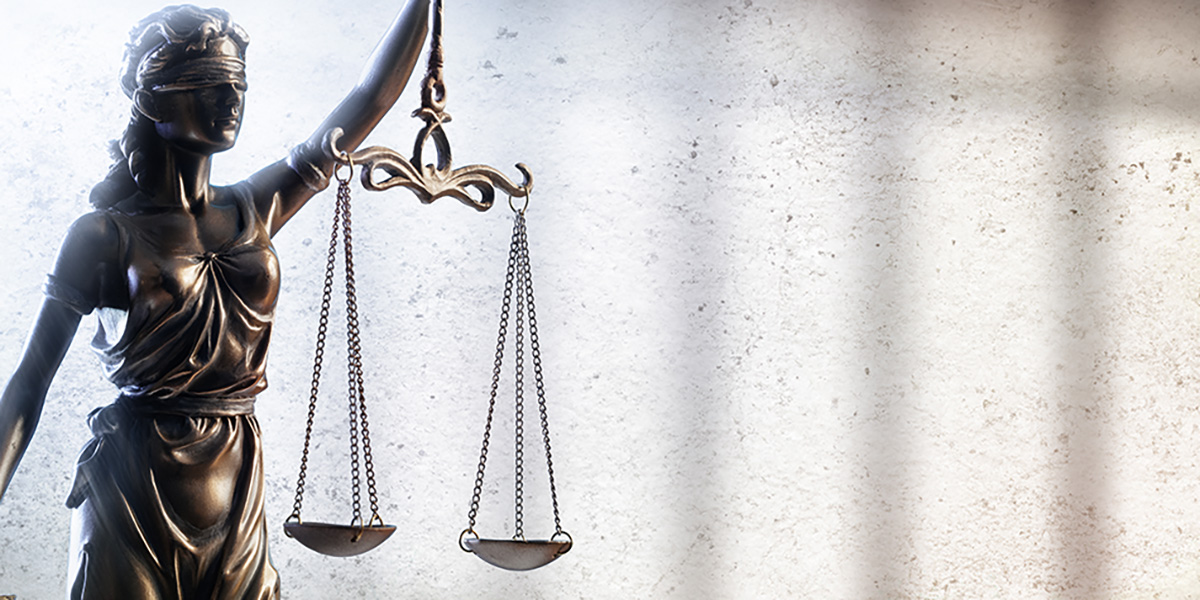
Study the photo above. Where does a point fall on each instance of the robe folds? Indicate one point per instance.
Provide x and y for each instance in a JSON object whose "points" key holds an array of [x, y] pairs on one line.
{"points": [[168, 494]]}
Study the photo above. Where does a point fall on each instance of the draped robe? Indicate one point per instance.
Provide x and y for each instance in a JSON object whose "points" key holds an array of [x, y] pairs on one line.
{"points": [[169, 491]]}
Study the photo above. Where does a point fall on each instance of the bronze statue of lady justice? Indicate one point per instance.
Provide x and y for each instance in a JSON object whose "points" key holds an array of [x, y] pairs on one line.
{"points": [[168, 495]]}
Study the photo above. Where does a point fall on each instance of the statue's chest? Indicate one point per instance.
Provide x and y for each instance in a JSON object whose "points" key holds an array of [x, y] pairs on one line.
{"points": [[171, 262]]}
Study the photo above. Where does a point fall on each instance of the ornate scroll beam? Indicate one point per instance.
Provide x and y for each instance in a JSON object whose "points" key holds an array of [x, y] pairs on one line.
{"points": [[430, 182]]}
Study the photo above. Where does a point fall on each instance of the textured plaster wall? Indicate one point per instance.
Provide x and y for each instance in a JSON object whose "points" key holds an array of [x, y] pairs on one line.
{"points": [[839, 299]]}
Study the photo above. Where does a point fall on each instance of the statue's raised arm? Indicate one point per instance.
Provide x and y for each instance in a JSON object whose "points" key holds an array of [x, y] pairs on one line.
{"points": [[387, 72]]}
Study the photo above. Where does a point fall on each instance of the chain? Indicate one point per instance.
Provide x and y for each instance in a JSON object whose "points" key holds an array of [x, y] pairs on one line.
{"points": [[519, 279], [322, 328], [353, 358], [355, 391], [359, 427], [372, 492], [487, 429], [536, 355], [519, 386]]}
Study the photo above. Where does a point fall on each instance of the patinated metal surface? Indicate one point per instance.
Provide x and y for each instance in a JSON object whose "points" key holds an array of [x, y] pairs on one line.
{"points": [[338, 540]]}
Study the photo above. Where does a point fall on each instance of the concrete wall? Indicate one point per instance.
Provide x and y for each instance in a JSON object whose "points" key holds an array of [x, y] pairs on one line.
{"points": [[839, 299]]}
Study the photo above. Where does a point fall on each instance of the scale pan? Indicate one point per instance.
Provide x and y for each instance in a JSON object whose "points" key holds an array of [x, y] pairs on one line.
{"points": [[516, 555], [338, 540]]}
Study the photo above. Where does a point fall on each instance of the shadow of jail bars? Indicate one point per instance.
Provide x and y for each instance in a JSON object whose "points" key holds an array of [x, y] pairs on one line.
{"points": [[1082, 513]]}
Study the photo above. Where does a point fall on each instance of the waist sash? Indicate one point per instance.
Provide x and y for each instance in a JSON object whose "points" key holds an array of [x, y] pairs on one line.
{"points": [[107, 421], [187, 406]]}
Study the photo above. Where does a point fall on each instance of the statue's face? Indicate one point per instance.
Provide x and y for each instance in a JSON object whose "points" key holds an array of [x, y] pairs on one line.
{"points": [[204, 120]]}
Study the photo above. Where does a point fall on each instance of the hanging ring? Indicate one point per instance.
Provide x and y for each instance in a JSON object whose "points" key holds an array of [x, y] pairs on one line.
{"points": [[296, 516], [347, 160], [340, 157], [463, 535], [570, 541], [524, 206]]}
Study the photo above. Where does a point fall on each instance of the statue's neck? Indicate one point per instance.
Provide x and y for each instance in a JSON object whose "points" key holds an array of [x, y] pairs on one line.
{"points": [[185, 180]]}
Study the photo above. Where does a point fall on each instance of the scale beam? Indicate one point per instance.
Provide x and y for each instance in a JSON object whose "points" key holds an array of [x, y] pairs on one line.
{"points": [[430, 182]]}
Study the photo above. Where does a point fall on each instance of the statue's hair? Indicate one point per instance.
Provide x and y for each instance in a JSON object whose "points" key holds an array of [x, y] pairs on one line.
{"points": [[164, 38]]}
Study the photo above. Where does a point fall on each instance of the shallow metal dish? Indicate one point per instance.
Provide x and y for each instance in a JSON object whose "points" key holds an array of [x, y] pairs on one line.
{"points": [[516, 555], [338, 540]]}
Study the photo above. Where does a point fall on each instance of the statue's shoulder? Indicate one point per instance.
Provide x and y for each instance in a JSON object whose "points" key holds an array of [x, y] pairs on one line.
{"points": [[94, 235], [91, 250]]}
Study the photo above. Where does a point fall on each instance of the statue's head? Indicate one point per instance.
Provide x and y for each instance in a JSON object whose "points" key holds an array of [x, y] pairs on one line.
{"points": [[185, 70]]}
